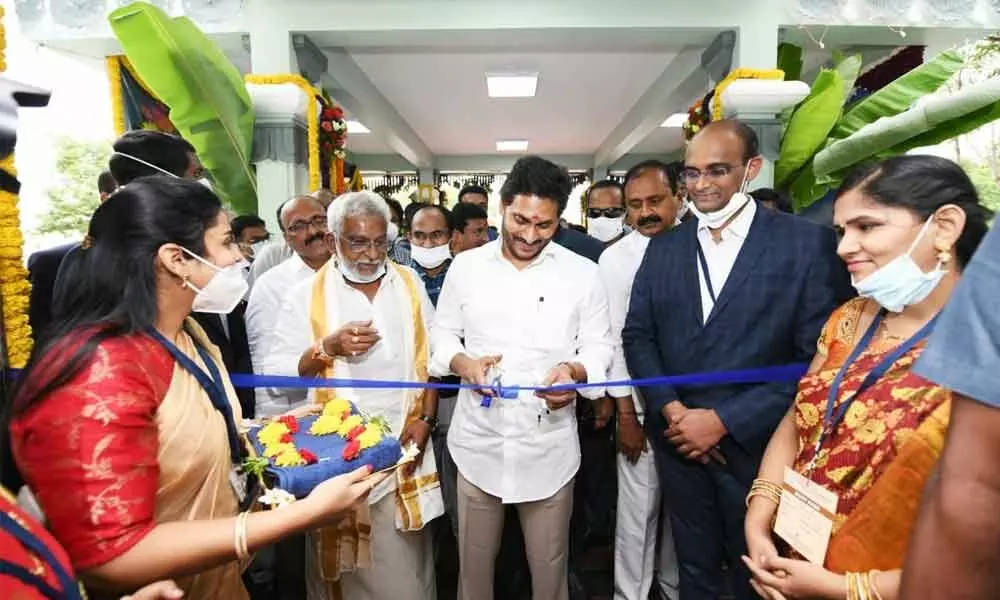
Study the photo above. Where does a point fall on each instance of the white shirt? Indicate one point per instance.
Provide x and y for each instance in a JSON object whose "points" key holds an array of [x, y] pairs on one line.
{"points": [[261, 319], [618, 266], [553, 310], [721, 255], [387, 359]]}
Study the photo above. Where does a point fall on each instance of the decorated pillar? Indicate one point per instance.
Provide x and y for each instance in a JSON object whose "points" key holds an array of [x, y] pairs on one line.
{"points": [[756, 57], [281, 134]]}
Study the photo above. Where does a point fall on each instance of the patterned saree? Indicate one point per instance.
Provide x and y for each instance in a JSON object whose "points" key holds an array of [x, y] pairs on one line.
{"points": [[882, 453]]}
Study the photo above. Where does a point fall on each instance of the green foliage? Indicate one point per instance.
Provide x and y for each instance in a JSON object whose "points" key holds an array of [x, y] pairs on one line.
{"points": [[986, 183], [74, 197]]}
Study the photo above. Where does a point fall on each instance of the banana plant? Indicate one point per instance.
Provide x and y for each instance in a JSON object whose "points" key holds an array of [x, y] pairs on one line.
{"points": [[209, 103], [800, 176]]}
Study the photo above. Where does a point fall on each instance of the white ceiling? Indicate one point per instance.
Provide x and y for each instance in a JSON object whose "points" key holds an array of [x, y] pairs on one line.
{"points": [[442, 95]]}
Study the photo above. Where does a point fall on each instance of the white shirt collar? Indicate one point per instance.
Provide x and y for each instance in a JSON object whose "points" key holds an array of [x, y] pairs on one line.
{"points": [[549, 251], [738, 227]]}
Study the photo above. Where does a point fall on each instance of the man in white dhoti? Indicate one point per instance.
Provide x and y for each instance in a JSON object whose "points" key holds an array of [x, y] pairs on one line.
{"points": [[653, 204], [362, 317]]}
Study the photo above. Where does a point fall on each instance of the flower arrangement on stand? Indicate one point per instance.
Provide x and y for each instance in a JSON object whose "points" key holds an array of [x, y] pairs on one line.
{"points": [[14, 286], [699, 115], [332, 143]]}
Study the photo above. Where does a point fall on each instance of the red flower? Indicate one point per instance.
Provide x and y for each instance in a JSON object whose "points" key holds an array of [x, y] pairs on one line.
{"points": [[286, 438], [358, 430], [337, 113], [327, 126], [308, 456], [351, 450], [291, 422]]}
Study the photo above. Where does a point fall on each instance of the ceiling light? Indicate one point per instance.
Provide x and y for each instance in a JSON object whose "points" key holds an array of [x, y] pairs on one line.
{"points": [[511, 85], [675, 120], [512, 145], [357, 127]]}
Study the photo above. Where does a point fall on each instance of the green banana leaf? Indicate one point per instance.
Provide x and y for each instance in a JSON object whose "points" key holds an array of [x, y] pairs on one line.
{"points": [[900, 94], [209, 103], [810, 124], [951, 129], [849, 68], [934, 120], [790, 61], [805, 188]]}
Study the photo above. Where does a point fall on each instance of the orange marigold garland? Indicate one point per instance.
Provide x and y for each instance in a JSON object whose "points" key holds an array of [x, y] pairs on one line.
{"points": [[14, 286]]}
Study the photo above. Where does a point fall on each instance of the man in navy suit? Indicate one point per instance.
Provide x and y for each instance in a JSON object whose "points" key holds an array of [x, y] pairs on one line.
{"points": [[738, 287]]}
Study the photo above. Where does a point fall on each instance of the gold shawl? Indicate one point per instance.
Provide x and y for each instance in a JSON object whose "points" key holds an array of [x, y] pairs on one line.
{"points": [[194, 464], [347, 546]]}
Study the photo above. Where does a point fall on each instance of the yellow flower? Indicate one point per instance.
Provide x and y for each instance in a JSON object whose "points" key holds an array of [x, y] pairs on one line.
{"points": [[337, 406], [290, 458], [349, 423], [325, 424], [271, 433], [371, 437], [278, 449]]}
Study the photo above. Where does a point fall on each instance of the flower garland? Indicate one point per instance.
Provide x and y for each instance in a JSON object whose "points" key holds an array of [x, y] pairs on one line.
{"points": [[113, 67], [735, 74], [333, 140], [14, 286], [698, 116], [312, 119]]}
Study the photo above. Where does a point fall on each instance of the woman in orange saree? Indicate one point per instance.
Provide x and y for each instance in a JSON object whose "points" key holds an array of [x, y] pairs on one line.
{"points": [[125, 425], [864, 427]]}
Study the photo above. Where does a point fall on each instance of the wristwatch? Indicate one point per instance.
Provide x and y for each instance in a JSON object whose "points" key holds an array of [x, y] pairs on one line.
{"points": [[319, 353], [430, 420]]}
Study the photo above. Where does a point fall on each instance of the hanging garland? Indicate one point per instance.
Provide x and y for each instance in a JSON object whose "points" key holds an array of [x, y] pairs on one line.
{"points": [[14, 286], [312, 119]]}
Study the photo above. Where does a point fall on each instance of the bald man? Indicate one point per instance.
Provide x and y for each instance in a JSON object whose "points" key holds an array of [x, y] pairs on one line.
{"points": [[738, 287]]}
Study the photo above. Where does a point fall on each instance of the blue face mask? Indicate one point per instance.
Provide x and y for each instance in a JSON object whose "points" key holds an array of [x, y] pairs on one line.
{"points": [[901, 282]]}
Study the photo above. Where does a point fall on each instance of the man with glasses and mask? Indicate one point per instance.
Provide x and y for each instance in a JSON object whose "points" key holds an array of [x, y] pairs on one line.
{"points": [[362, 316], [651, 195], [605, 206], [738, 288]]}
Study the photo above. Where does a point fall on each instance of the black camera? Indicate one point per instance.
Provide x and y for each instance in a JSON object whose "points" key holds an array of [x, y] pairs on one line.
{"points": [[14, 95]]}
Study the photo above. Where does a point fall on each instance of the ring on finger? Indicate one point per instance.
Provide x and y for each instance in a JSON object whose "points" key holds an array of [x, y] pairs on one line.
{"points": [[355, 331], [354, 340]]}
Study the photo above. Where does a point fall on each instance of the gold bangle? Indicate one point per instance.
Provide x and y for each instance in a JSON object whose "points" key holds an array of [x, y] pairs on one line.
{"points": [[767, 485], [852, 586], [242, 549], [763, 494]]}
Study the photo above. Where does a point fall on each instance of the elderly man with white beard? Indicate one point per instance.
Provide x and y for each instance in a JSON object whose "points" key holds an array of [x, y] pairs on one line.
{"points": [[364, 317]]}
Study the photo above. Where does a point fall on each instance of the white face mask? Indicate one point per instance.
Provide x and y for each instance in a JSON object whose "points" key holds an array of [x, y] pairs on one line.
{"points": [[901, 282], [351, 274], [391, 232], [717, 219], [605, 228], [257, 247], [223, 291], [430, 258]]}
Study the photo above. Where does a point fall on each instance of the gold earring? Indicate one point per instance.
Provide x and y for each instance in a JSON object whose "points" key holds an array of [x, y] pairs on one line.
{"points": [[944, 256]]}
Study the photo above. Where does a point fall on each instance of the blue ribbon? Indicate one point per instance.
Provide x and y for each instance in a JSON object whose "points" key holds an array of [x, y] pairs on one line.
{"points": [[784, 374]]}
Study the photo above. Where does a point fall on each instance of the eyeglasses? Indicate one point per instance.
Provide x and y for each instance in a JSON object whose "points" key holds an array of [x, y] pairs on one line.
{"points": [[713, 173], [611, 213], [360, 245], [318, 222]]}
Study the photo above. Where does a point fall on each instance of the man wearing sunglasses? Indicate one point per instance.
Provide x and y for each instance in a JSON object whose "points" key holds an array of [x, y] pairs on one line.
{"points": [[605, 206]]}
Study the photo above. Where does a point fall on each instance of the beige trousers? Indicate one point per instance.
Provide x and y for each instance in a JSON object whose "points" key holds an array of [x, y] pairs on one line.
{"points": [[402, 564], [545, 524]]}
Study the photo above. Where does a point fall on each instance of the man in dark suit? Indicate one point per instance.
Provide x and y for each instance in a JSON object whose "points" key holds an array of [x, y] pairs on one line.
{"points": [[44, 265], [737, 288]]}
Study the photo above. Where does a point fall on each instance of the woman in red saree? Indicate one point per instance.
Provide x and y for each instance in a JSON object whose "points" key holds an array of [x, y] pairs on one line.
{"points": [[125, 425], [863, 425]]}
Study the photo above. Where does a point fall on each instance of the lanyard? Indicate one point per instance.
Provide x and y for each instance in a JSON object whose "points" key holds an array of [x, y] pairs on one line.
{"points": [[211, 382], [832, 418], [704, 269], [70, 588]]}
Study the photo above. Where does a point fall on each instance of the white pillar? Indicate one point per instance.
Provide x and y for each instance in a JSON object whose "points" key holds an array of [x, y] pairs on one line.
{"points": [[757, 48], [278, 177]]}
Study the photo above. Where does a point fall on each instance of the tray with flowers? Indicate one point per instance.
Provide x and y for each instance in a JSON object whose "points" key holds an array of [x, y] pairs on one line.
{"points": [[295, 454]]}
